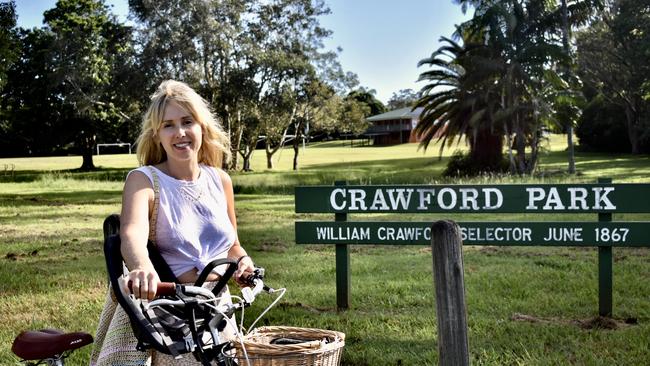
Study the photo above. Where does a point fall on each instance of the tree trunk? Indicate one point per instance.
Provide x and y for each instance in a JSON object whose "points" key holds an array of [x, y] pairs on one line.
{"points": [[247, 163], [631, 118], [296, 151], [520, 148], [486, 150], [511, 157], [296, 144], [87, 163], [236, 142], [568, 122], [246, 156], [534, 150], [87, 148], [572, 156], [269, 156]]}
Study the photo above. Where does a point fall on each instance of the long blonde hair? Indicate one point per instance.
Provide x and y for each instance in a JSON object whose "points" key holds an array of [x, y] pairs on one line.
{"points": [[215, 147]]}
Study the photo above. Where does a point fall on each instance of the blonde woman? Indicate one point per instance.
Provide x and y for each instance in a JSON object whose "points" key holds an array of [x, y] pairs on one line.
{"points": [[182, 147]]}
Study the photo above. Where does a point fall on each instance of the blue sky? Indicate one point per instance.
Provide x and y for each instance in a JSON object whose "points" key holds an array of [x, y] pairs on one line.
{"points": [[382, 40]]}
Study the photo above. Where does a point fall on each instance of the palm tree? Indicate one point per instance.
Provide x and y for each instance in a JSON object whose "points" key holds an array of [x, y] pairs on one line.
{"points": [[520, 33], [459, 102]]}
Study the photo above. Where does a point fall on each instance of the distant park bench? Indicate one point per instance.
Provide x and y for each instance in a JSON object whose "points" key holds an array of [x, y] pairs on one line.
{"points": [[603, 198]]}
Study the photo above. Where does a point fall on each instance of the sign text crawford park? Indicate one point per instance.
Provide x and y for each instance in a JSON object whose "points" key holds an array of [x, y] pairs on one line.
{"points": [[603, 198]]}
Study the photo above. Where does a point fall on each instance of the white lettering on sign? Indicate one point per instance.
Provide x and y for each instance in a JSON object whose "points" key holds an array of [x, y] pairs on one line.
{"points": [[333, 199], [600, 198], [577, 197], [534, 195], [425, 197], [379, 202], [520, 234], [488, 193], [578, 194], [614, 235], [564, 234], [343, 233], [404, 233], [451, 201], [400, 199], [553, 202], [357, 196], [468, 199]]}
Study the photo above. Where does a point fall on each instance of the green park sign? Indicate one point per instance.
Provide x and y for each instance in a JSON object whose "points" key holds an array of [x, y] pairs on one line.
{"points": [[512, 198], [630, 234], [603, 198]]}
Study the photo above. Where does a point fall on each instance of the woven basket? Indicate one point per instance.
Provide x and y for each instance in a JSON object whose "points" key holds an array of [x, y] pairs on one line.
{"points": [[321, 347]]}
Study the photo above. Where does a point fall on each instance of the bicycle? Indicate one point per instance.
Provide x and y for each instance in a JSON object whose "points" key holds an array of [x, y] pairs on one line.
{"points": [[193, 320], [190, 304]]}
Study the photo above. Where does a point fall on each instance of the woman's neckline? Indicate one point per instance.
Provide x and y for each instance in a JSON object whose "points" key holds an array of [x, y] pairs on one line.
{"points": [[182, 181]]}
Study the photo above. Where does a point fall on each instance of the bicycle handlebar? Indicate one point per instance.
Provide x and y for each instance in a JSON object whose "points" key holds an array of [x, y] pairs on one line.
{"points": [[163, 289]]}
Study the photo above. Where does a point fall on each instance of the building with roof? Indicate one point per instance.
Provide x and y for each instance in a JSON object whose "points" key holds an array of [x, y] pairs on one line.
{"points": [[393, 127]]}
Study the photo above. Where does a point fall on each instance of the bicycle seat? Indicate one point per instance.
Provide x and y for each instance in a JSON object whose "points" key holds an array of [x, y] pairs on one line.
{"points": [[47, 343]]}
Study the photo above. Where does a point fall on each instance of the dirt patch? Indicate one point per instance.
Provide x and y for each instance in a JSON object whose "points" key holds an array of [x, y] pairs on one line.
{"points": [[15, 256], [598, 322], [302, 306]]}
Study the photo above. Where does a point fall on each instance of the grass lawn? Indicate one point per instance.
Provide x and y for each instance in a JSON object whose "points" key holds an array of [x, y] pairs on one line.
{"points": [[526, 305]]}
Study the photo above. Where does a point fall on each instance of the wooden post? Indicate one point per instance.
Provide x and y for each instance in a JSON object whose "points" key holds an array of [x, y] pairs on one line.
{"points": [[342, 266], [446, 245], [605, 264]]}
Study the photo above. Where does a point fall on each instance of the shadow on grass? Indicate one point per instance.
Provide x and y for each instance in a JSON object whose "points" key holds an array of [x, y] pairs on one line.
{"points": [[615, 166], [99, 174], [97, 197], [385, 171]]}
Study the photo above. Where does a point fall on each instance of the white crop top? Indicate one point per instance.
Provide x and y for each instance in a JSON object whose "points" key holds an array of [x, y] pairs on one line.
{"points": [[192, 227]]}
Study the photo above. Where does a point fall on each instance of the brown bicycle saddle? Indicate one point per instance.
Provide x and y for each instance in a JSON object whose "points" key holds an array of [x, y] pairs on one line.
{"points": [[47, 343]]}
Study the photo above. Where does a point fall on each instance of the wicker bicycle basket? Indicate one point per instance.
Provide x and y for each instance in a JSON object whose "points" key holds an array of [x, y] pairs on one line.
{"points": [[317, 347]]}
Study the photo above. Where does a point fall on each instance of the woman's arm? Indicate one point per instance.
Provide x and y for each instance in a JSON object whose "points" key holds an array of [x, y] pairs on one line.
{"points": [[137, 201], [236, 252]]}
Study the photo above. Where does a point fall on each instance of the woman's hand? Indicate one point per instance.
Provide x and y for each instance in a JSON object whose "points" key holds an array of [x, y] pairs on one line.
{"points": [[144, 283], [245, 268]]}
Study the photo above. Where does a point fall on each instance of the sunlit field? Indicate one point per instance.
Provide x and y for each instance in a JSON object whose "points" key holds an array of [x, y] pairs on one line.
{"points": [[526, 305]]}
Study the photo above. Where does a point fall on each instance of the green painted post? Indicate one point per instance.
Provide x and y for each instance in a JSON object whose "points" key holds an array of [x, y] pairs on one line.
{"points": [[605, 268], [342, 266]]}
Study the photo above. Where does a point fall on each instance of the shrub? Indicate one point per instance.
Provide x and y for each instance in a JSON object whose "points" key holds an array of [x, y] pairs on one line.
{"points": [[461, 165]]}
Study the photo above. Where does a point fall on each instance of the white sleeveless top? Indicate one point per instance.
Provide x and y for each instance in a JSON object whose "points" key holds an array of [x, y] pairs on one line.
{"points": [[193, 227]]}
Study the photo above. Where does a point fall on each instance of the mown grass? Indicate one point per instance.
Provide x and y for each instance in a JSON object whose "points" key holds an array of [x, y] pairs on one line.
{"points": [[526, 305]]}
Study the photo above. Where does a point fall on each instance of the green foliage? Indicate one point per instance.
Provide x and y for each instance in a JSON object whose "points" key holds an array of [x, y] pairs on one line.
{"points": [[602, 128], [612, 60], [367, 97], [462, 165], [70, 84], [9, 45], [353, 117], [402, 99]]}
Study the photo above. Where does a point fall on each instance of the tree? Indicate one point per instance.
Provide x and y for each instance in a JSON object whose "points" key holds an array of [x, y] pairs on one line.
{"points": [[402, 99], [519, 34], [352, 117], [239, 54], [571, 14], [31, 123], [86, 41], [612, 59], [317, 108], [367, 97], [460, 101], [8, 39]]}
